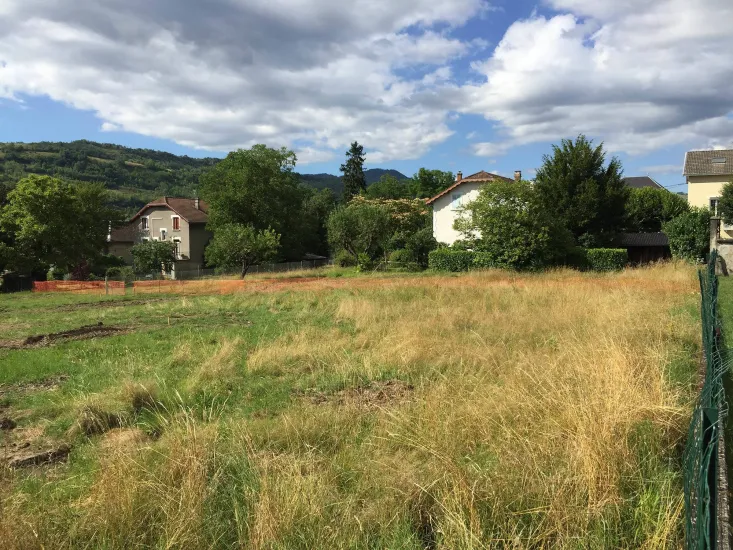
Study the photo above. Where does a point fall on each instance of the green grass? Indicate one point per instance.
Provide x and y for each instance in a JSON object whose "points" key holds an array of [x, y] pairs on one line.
{"points": [[544, 410]]}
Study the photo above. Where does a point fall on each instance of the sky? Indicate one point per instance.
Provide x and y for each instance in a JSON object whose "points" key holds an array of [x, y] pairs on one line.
{"points": [[454, 85]]}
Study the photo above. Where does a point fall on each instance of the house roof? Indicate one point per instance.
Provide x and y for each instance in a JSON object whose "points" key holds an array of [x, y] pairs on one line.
{"points": [[643, 239], [709, 163], [185, 208], [637, 182], [478, 177], [124, 234]]}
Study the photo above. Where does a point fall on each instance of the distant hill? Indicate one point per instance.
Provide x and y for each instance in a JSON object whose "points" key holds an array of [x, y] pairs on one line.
{"points": [[133, 176], [323, 181]]}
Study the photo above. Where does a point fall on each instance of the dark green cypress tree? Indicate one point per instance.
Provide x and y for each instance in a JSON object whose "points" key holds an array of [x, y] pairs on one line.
{"points": [[353, 170], [578, 188]]}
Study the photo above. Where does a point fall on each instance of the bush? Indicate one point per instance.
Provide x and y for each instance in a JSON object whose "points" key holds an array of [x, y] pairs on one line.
{"points": [[446, 259], [606, 259], [401, 256], [56, 274], [344, 259], [689, 235], [483, 260], [514, 229]]}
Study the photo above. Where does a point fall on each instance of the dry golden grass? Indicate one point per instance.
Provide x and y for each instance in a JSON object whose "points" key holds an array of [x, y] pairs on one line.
{"points": [[547, 412]]}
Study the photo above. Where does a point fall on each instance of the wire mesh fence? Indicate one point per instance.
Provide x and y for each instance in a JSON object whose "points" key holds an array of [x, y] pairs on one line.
{"points": [[705, 473]]}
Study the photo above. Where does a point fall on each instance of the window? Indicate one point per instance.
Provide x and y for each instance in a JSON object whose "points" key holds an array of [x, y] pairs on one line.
{"points": [[456, 201], [714, 205], [144, 224], [176, 223], [718, 160], [145, 240], [177, 242], [162, 234]]}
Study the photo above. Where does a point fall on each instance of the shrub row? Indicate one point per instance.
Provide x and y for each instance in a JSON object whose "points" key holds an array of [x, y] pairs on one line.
{"points": [[446, 259], [593, 259]]}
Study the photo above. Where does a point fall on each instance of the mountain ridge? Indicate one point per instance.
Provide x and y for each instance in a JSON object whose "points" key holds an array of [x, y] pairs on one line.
{"points": [[133, 176]]}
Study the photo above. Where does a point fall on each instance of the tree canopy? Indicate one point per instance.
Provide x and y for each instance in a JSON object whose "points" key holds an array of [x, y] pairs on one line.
{"points": [[53, 222], [353, 172], [578, 188], [360, 228], [241, 246], [428, 183], [389, 187], [649, 208], [508, 222], [258, 188], [725, 203], [689, 235], [153, 257]]}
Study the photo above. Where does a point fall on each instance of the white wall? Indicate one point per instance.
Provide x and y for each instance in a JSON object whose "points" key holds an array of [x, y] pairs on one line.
{"points": [[444, 214]]}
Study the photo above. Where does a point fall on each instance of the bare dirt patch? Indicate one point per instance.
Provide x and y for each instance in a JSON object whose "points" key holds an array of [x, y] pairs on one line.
{"points": [[82, 333], [24, 454], [373, 395], [25, 447], [46, 384]]}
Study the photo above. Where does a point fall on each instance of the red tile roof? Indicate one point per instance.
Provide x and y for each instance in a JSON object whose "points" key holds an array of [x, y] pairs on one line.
{"points": [[186, 208], [473, 178]]}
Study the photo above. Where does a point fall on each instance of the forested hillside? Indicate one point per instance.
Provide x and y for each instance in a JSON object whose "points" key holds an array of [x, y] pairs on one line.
{"points": [[133, 176]]}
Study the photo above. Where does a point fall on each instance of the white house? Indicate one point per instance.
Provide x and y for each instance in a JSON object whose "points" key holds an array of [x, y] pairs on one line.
{"points": [[446, 205]]}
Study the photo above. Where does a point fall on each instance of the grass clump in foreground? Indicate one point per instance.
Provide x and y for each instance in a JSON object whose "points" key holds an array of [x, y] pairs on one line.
{"points": [[488, 410]]}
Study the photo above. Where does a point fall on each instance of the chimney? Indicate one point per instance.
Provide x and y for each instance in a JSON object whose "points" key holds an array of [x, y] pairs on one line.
{"points": [[459, 176], [517, 175], [196, 203]]}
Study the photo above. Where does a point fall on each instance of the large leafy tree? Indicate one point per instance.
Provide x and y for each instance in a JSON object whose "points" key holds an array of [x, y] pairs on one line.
{"points": [[689, 235], [649, 208], [53, 222], [725, 203], [389, 187], [428, 183], [360, 228], [578, 188], [258, 187], [507, 221], [153, 257], [242, 246], [353, 172]]}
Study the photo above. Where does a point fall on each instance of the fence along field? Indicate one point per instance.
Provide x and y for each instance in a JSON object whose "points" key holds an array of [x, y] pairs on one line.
{"points": [[486, 410]]}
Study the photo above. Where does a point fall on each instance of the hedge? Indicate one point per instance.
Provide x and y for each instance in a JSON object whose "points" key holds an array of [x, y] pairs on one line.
{"points": [[594, 259], [606, 259], [445, 259]]}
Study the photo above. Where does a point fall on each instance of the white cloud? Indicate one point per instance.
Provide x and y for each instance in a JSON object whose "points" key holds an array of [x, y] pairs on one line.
{"points": [[489, 149], [639, 74], [309, 155], [110, 127], [229, 74]]}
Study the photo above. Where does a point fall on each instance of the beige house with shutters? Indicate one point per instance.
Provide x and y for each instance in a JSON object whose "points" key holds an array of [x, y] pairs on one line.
{"points": [[177, 220], [707, 172], [447, 205]]}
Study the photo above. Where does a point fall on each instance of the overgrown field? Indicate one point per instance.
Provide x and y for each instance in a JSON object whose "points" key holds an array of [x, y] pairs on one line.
{"points": [[487, 410]]}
